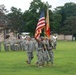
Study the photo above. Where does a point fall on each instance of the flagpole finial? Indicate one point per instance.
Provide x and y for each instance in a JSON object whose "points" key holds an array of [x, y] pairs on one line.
{"points": [[47, 4]]}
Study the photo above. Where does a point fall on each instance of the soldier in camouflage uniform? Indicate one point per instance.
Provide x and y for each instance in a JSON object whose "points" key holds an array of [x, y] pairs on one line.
{"points": [[29, 50], [19, 44], [39, 51], [34, 43], [50, 52], [12, 44], [7, 43], [55, 41], [23, 44], [16, 45], [45, 53]]}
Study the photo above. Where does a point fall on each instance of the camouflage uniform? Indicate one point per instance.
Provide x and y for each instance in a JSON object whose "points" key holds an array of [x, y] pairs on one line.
{"points": [[39, 51], [12, 45], [54, 41], [16, 45], [6, 45], [19, 41], [50, 52], [29, 50], [23, 44], [20, 45], [45, 53]]}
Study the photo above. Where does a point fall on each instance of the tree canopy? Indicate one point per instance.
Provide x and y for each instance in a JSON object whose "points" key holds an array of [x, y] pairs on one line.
{"points": [[62, 18]]}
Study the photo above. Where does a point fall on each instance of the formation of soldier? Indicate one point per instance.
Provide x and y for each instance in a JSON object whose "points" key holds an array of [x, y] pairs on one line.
{"points": [[44, 51], [43, 46], [13, 44]]}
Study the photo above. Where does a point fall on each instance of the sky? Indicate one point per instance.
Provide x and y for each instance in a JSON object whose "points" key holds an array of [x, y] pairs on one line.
{"points": [[24, 4]]}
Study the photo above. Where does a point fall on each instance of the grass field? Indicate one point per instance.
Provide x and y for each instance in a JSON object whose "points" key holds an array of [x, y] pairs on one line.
{"points": [[13, 63]]}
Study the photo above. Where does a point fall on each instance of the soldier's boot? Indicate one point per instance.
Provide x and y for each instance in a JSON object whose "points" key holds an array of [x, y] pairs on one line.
{"points": [[27, 62]]}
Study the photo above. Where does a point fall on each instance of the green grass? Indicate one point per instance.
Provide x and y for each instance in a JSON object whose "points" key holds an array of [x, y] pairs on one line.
{"points": [[13, 63]]}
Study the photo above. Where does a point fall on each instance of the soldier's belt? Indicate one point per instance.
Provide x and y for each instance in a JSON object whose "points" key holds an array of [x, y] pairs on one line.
{"points": [[7, 45], [16, 44]]}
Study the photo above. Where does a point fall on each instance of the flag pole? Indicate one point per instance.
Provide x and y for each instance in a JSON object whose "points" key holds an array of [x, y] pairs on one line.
{"points": [[47, 28]]}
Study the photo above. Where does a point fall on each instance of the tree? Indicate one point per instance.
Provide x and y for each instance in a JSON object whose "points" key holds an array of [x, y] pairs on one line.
{"points": [[15, 17], [56, 23], [35, 10], [70, 25], [68, 10], [30, 21], [3, 17], [27, 21], [31, 16], [3, 20]]}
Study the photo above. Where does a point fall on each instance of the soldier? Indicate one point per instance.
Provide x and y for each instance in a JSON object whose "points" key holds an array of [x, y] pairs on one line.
{"points": [[45, 53], [19, 44], [16, 45], [23, 44], [12, 44], [34, 43], [55, 41], [50, 52], [29, 50], [39, 51], [7, 43]]}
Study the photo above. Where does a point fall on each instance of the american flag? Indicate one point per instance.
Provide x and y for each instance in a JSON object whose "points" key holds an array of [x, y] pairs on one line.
{"points": [[40, 25]]}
